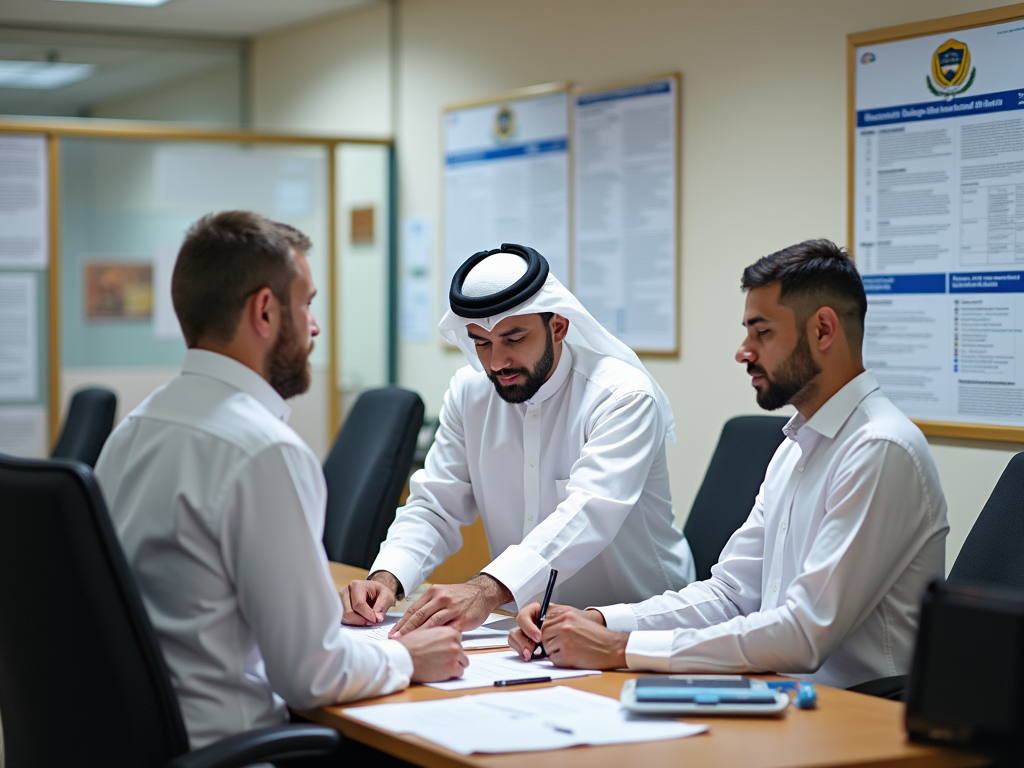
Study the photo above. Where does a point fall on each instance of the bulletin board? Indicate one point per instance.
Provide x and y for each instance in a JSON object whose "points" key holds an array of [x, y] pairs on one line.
{"points": [[936, 217], [626, 189], [506, 176]]}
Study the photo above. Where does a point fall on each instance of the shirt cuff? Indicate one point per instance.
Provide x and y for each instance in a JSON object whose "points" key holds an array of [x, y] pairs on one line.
{"points": [[401, 565], [650, 651], [618, 618], [522, 571], [400, 661]]}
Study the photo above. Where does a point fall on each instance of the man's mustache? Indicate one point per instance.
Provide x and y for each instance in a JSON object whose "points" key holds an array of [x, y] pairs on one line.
{"points": [[508, 372], [756, 370]]}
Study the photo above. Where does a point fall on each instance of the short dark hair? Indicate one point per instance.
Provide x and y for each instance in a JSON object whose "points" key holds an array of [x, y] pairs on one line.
{"points": [[815, 274], [227, 257]]}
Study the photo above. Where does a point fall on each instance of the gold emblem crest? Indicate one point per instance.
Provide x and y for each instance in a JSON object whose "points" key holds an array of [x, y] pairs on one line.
{"points": [[951, 65], [504, 124]]}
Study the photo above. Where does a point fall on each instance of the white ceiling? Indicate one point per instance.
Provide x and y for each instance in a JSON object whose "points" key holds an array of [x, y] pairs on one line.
{"points": [[215, 18]]}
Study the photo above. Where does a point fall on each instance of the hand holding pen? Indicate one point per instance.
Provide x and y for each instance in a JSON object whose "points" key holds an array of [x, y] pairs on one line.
{"points": [[540, 653]]}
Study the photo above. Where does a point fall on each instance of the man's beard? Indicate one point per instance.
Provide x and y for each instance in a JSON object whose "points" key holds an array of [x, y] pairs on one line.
{"points": [[794, 375], [520, 393], [288, 361]]}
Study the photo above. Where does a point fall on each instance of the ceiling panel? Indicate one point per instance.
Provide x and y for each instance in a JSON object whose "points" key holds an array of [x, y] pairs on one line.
{"points": [[216, 18]]}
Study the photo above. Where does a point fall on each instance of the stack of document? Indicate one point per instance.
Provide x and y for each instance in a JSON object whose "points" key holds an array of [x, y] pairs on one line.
{"points": [[522, 721], [493, 633]]}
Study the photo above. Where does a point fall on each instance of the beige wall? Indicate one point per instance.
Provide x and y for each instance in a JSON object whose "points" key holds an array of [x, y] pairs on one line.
{"points": [[212, 97], [763, 162]]}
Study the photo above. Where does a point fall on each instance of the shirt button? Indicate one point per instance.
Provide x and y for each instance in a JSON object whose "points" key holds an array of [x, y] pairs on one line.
{"points": [[799, 469], [530, 518], [775, 587], [533, 463], [783, 526]]}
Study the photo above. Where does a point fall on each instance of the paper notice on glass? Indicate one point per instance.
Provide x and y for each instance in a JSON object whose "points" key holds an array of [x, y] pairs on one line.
{"points": [[24, 225], [522, 721], [485, 669], [19, 366], [417, 245], [626, 224], [165, 321], [23, 431], [415, 321]]}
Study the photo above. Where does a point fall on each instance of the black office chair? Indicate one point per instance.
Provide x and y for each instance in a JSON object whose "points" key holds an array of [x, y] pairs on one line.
{"points": [[730, 485], [992, 554], [366, 471], [87, 426], [82, 678]]}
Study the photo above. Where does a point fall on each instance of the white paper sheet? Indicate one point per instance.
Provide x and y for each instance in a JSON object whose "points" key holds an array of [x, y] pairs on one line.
{"points": [[487, 636], [19, 366], [24, 223], [522, 721], [23, 431], [485, 669], [165, 320]]}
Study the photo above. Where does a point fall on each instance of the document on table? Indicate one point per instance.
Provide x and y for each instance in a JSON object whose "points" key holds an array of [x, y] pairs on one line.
{"points": [[493, 634], [485, 669], [522, 721]]}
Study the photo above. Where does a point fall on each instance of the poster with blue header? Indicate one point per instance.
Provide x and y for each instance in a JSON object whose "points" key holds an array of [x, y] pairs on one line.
{"points": [[937, 196], [506, 176]]}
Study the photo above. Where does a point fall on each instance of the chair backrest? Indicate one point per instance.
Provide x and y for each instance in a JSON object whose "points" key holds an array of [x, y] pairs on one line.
{"points": [[730, 485], [994, 550], [82, 677], [87, 426], [366, 471]]}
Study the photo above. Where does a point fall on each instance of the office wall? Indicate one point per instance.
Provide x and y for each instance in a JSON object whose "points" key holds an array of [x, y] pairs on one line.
{"points": [[212, 97], [763, 160]]}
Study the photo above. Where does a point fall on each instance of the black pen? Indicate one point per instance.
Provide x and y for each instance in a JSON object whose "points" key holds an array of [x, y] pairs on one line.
{"points": [[544, 610], [521, 681]]}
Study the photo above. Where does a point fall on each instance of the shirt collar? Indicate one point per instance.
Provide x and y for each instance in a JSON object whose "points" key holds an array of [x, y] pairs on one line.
{"points": [[553, 384], [830, 418], [202, 362]]}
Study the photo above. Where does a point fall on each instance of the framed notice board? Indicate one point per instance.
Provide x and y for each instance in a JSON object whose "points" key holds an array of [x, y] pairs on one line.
{"points": [[936, 217], [626, 181], [506, 176]]}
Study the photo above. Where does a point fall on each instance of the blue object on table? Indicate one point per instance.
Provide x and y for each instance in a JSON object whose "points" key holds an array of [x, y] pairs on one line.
{"points": [[806, 696], [782, 685]]}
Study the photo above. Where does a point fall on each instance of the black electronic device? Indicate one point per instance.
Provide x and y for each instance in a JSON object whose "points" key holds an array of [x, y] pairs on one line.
{"points": [[967, 681]]}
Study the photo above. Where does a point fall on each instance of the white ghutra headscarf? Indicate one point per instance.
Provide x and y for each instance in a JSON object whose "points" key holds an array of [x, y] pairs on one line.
{"points": [[515, 280]]}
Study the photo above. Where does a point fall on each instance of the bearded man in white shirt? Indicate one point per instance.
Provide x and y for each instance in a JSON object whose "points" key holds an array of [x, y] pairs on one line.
{"points": [[824, 579], [555, 435], [219, 505]]}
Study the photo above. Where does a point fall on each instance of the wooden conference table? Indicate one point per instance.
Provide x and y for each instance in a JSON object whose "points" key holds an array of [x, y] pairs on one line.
{"points": [[847, 729]]}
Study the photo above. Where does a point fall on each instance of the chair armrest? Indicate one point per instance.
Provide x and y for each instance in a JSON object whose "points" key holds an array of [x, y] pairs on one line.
{"points": [[261, 745], [892, 688]]}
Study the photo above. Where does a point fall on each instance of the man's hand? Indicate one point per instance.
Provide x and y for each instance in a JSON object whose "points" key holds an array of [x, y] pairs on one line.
{"points": [[462, 606], [436, 654], [366, 602], [571, 637]]}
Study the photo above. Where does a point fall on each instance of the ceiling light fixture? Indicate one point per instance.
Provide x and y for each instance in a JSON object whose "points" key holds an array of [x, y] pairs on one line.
{"points": [[42, 75], [145, 3]]}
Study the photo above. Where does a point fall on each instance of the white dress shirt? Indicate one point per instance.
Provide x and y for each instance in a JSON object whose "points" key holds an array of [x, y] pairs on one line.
{"points": [[824, 579], [219, 507], [573, 479]]}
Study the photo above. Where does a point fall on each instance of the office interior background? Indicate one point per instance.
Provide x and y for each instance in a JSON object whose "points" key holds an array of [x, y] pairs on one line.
{"points": [[763, 147]]}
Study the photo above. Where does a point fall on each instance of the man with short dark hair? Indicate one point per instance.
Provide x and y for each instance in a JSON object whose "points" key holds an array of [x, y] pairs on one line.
{"points": [[220, 506], [824, 578], [555, 435]]}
